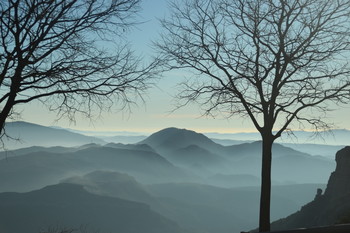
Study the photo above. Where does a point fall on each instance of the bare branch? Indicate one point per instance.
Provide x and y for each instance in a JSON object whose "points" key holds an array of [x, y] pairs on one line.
{"points": [[274, 61], [70, 55]]}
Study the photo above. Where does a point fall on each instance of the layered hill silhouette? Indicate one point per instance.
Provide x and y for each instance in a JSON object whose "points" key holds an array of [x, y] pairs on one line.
{"points": [[182, 175], [202, 208], [332, 207], [200, 154], [169, 155], [114, 184], [71, 206], [171, 139], [332, 137], [38, 168], [29, 134]]}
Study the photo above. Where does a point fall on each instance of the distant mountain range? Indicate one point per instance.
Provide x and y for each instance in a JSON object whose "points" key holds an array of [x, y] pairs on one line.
{"points": [[174, 153], [180, 178], [333, 137], [196, 152], [173, 138], [39, 166], [28, 134]]}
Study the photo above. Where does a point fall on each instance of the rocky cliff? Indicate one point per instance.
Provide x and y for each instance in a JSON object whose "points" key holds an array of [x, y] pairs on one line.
{"points": [[339, 181], [332, 207]]}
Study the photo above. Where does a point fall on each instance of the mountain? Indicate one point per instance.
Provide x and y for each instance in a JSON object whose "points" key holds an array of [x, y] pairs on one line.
{"points": [[39, 168], [213, 209], [147, 163], [33, 149], [194, 217], [141, 147], [253, 149], [288, 165], [113, 184], [53, 149], [70, 206], [197, 217], [332, 207], [331, 137], [171, 139], [190, 150], [196, 152], [29, 134], [123, 139], [166, 156], [201, 208], [327, 151], [308, 169], [197, 159], [230, 142], [245, 136]]}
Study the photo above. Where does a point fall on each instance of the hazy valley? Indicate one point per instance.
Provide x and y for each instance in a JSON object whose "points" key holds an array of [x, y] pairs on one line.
{"points": [[174, 180]]}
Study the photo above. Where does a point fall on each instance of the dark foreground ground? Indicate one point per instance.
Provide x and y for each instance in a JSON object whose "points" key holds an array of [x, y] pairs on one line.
{"points": [[343, 228]]}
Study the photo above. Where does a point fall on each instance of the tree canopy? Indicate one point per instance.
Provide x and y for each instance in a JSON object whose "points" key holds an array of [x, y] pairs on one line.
{"points": [[69, 54], [283, 64]]}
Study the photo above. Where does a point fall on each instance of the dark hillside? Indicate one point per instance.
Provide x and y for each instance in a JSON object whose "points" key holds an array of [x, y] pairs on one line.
{"points": [[332, 207], [71, 206]]}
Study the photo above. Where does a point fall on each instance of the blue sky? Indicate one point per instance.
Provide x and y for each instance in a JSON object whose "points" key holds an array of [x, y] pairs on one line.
{"points": [[156, 113]]}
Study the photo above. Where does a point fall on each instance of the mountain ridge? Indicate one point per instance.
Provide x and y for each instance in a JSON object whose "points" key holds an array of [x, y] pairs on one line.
{"points": [[71, 206], [175, 138], [34, 169], [30, 134], [192, 152]]}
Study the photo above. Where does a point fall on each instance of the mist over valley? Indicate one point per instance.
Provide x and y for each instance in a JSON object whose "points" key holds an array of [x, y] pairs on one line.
{"points": [[178, 178]]}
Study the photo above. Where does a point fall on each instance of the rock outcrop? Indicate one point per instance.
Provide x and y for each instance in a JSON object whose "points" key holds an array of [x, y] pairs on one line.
{"points": [[332, 207], [339, 181]]}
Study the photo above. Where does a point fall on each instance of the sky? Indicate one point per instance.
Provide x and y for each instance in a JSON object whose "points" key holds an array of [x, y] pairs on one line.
{"points": [[157, 111]]}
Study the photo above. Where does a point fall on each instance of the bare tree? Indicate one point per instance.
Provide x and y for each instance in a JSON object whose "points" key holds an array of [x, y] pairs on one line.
{"points": [[282, 64], [68, 54]]}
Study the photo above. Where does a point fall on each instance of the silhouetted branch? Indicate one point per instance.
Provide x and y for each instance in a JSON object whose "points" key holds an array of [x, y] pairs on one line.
{"points": [[275, 62], [70, 55]]}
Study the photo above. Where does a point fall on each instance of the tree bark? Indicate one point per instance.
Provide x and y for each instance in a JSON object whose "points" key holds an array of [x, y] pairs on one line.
{"points": [[15, 85], [265, 197], [5, 112]]}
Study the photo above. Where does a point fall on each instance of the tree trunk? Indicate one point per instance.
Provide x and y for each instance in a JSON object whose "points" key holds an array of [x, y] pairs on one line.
{"points": [[6, 112], [265, 195]]}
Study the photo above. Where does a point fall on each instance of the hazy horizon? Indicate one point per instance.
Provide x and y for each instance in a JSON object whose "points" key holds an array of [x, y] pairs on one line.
{"points": [[157, 110], [332, 137]]}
